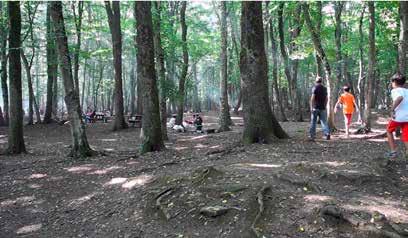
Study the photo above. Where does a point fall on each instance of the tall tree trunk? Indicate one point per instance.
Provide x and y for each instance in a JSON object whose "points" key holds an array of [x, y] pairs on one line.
{"points": [[320, 51], [152, 135], [403, 37], [55, 89], [15, 136], [196, 100], [114, 25], [32, 100], [361, 81], [371, 67], [225, 118], [319, 64], [275, 72], [161, 70], [184, 69], [133, 89], [51, 68], [284, 53], [78, 26], [338, 8], [298, 22], [80, 146], [2, 123], [260, 125], [3, 61]]}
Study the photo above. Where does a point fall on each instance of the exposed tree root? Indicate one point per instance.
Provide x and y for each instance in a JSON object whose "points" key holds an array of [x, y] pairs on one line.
{"points": [[301, 183], [204, 174], [260, 198], [159, 204]]}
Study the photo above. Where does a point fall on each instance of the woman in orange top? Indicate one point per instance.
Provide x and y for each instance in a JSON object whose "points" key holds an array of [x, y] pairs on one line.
{"points": [[349, 104]]}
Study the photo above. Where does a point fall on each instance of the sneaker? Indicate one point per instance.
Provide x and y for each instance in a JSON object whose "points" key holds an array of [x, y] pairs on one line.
{"points": [[328, 137], [391, 155]]}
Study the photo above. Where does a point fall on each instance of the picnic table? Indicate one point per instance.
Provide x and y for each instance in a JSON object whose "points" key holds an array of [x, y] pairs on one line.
{"points": [[135, 121]]}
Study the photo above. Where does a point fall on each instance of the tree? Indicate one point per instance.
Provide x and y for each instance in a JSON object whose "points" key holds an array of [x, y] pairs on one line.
{"points": [[152, 135], [225, 118], [184, 69], [78, 25], [338, 8], [275, 72], [52, 67], [260, 125], [161, 70], [371, 67], [113, 11], [80, 147], [360, 82], [15, 138], [3, 61], [403, 37], [327, 70]]}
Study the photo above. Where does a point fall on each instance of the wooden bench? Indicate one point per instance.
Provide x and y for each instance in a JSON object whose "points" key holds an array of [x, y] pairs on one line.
{"points": [[135, 121]]}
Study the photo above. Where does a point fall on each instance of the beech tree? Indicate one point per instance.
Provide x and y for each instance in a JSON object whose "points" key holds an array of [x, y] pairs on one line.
{"points": [[146, 73], [15, 138], [225, 118], [113, 11], [184, 70], [80, 146], [3, 62], [260, 124]]}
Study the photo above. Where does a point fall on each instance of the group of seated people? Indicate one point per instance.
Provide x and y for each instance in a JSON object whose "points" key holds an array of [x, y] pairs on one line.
{"points": [[90, 116], [193, 124]]}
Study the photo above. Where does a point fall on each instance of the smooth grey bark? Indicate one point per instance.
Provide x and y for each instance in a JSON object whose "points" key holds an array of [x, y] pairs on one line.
{"points": [[371, 67], [78, 26], [113, 11], [16, 136], [32, 99], [80, 147], [151, 131], [184, 69], [361, 77], [225, 118], [403, 37], [3, 61], [260, 124], [161, 70]]}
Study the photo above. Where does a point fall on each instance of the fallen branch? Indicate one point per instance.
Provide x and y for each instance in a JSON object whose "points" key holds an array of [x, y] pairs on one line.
{"points": [[159, 204]]}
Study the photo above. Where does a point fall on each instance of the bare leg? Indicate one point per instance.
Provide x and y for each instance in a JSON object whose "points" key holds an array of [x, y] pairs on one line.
{"points": [[346, 126], [391, 142]]}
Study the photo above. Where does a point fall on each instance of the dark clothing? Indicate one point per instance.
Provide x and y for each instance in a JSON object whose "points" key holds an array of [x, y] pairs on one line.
{"points": [[320, 93], [198, 122]]}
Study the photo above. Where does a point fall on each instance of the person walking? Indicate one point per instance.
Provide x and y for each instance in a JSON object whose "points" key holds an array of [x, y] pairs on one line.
{"points": [[318, 103], [349, 104]]}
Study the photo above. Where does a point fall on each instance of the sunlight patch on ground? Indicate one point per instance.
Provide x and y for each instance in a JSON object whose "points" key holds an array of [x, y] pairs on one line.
{"points": [[391, 209], [180, 147], [28, 229], [81, 200], [109, 149], [21, 200], [56, 178], [200, 146], [198, 137], [105, 171], [37, 176], [82, 168], [317, 198], [108, 140], [35, 185], [253, 165], [137, 181], [215, 147], [116, 181], [332, 163], [378, 140], [129, 183]]}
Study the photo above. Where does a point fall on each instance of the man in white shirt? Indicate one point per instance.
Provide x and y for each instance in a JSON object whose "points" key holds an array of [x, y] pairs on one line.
{"points": [[399, 114]]}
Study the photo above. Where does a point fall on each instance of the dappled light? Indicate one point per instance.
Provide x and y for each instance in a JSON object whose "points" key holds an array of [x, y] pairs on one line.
{"points": [[392, 212], [109, 140], [37, 176], [24, 200], [132, 182], [35, 186], [106, 170], [83, 199], [257, 166], [29, 229], [79, 169]]}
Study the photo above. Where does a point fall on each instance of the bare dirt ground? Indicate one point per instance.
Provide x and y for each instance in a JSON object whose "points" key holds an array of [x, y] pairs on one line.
{"points": [[291, 188]]}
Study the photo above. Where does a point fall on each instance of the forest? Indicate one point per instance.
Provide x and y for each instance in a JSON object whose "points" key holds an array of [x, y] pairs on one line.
{"points": [[197, 119]]}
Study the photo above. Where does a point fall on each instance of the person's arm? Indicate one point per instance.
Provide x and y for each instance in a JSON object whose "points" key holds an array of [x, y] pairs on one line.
{"points": [[395, 104], [312, 102], [337, 104]]}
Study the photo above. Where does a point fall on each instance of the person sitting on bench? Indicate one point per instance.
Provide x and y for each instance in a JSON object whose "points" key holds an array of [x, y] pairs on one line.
{"points": [[198, 122]]}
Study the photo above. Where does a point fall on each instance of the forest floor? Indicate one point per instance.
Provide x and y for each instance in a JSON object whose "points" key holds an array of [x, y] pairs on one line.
{"points": [[203, 185]]}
